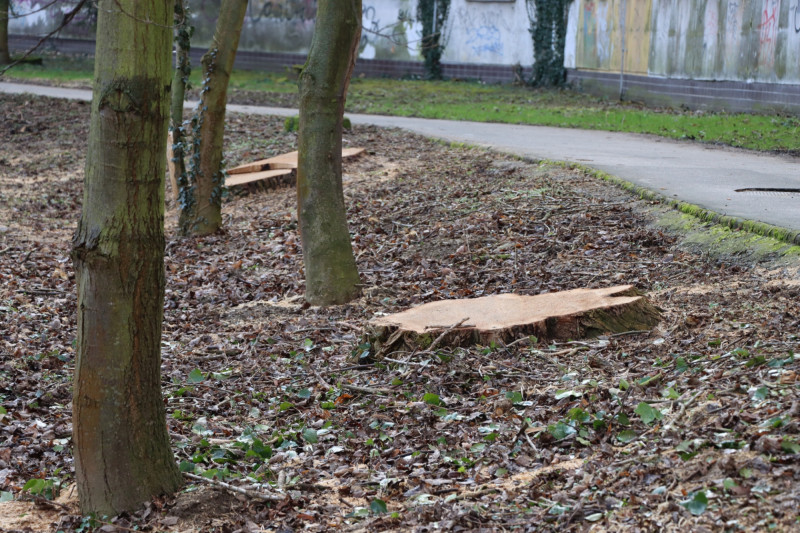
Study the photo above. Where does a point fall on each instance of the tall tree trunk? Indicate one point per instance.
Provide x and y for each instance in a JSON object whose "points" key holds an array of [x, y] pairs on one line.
{"points": [[5, 55], [180, 79], [331, 273], [201, 194], [122, 449]]}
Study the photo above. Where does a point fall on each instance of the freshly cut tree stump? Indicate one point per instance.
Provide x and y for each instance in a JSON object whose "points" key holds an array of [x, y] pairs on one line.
{"points": [[283, 161], [503, 318]]}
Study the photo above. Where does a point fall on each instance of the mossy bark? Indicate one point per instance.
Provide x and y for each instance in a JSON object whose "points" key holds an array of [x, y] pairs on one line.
{"points": [[331, 273], [122, 449], [180, 79], [201, 193], [5, 55]]}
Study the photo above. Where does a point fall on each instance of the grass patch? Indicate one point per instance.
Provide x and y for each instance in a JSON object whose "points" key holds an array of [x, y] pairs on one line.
{"points": [[461, 100]]}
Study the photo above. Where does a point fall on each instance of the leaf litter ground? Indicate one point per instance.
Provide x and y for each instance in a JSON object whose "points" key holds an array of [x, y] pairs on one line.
{"points": [[692, 425]]}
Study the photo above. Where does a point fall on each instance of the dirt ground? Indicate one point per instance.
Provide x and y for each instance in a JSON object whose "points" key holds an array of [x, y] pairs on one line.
{"points": [[690, 427]]}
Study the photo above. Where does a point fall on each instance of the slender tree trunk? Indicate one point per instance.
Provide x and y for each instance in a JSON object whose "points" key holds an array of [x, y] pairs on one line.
{"points": [[180, 79], [122, 449], [5, 55], [331, 273], [201, 195]]}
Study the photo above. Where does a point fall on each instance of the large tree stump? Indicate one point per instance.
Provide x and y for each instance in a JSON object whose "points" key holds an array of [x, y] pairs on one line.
{"points": [[504, 318]]}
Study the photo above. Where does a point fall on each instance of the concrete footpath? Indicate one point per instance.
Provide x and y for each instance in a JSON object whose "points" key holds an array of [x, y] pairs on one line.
{"points": [[709, 177]]}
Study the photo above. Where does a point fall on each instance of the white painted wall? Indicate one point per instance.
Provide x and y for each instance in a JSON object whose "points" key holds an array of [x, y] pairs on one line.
{"points": [[488, 32]]}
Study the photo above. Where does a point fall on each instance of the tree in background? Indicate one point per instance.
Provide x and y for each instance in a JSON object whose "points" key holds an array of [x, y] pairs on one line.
{"points": [[122, 448], [331, 273], [200, 189], [549, 31], [180, 82], [5, 55], [432, 14]]}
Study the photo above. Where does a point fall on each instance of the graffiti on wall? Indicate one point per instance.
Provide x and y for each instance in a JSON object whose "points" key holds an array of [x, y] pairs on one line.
{"points": [[282, 9], [595, 46], [768, 33], [796, 17], [483, 31], [748, 40], [384, 39]]}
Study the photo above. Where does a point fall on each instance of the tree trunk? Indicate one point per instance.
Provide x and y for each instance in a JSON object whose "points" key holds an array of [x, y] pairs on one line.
{"points": [[201, 194], [179, 81], [331, 273], [122, 449], [5, 55]]}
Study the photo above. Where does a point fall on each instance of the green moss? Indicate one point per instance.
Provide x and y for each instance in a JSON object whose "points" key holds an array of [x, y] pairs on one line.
{"points": [[291, 124], [424, 341]]}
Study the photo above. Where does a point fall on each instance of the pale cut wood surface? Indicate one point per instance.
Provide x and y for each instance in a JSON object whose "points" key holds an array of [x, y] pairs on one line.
{"points": [[287, 160], [505, 317], [241, 179]]}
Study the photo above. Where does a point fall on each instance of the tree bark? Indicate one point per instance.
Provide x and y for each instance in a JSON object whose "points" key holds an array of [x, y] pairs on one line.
{"points": [[179, 81], [5, 55], [201, 194], [122, 448], [331, 273]]}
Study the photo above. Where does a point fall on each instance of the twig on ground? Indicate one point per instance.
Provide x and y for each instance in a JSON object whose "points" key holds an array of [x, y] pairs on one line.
{"points": [[239, 490], [398, 361], [441, 336], [368, 390], [634, 332], [474, 493], [324, 384]]}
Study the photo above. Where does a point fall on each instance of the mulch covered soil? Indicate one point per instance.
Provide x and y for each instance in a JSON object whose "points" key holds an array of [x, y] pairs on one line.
{"points": [[692, 426]]}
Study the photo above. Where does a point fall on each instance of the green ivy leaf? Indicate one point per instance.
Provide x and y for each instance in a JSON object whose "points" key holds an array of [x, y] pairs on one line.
{"points": [[186, 466], [196, 376], [560, 430], [761, 394], [310, 435], [626, 435], [514, 396], [378, 506], [755, 361], [790, 446], [697, 504], [432, 399], [304, 394], [647, 413], [649, 380]]}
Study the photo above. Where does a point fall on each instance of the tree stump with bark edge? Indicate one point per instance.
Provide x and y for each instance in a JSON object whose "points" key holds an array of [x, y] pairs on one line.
{"points": [[503, 318]]}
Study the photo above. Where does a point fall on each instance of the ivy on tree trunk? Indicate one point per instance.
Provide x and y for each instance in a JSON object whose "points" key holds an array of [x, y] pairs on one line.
{"points": [[549, 33], [180, 82], [331, 273], [432, 14], [200, 191], [122, 449]]}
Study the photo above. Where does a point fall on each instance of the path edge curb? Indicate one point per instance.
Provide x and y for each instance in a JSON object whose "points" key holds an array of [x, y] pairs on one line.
{"points": [[790, 237]]}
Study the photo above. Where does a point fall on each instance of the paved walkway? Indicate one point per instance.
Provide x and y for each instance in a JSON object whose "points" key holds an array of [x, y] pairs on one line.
{"points": [[707, 176]]}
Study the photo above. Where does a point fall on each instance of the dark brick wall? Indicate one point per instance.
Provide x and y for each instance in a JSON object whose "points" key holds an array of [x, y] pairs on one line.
{"points": [[280, 62], [715, 95], [734, 96]]}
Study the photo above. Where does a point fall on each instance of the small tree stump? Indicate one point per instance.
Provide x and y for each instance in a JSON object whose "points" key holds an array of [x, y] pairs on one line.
{"points": [[503, 318]]}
